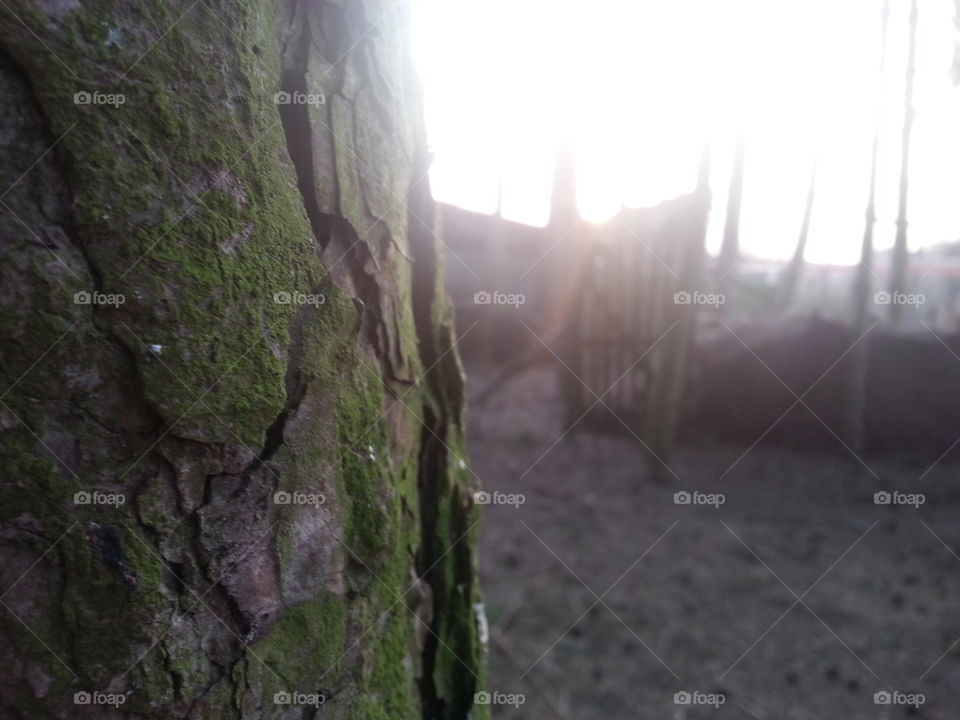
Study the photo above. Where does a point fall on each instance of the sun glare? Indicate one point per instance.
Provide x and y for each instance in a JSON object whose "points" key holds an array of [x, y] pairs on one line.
{"points": [[638, 88]]}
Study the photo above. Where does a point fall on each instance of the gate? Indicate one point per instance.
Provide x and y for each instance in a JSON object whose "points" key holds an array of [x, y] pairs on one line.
{"points": [[632, 319]]}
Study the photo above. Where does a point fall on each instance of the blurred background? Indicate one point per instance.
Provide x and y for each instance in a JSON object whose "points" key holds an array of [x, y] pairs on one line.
{"points": [[705, 262]]}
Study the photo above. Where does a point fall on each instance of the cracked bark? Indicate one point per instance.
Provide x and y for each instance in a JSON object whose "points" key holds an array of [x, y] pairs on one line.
{"points": [[202, 396]]}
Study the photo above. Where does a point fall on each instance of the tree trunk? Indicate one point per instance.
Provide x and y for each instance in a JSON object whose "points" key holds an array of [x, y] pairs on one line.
{"points": [[898, 275], [730, 247], [791, 277], [232, 452], [856, 408], [955, 67]]}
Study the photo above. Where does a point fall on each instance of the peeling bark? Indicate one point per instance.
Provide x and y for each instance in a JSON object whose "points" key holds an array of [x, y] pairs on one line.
{"points": [[277, 400]]}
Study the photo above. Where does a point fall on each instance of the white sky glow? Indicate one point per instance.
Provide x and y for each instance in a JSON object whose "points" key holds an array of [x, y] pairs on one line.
{"points": [[637, 86]]}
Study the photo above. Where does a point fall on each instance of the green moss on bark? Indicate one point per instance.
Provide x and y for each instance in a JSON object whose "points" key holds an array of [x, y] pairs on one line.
{"points": [[203, 392]]}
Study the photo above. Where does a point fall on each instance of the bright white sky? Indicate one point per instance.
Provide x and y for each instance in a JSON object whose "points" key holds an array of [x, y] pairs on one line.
{"points": [[638, 85]]}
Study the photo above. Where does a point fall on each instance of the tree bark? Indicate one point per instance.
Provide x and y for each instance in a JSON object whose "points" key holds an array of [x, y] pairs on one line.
{"points": [[898, 275], [232, 453]]}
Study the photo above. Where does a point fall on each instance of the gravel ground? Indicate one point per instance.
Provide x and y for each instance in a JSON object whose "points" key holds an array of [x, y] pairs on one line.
{"points": [[798, 597]]}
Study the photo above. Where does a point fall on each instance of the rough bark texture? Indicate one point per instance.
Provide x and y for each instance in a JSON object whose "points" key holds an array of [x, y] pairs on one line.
{"points": [[202, 201]]}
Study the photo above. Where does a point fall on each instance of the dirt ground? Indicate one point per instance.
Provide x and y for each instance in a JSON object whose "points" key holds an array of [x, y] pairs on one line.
{"points": [[798, 597]]}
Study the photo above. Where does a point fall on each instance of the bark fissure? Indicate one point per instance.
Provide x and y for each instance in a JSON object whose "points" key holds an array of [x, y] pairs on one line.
{"points": [[202, 397]]}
